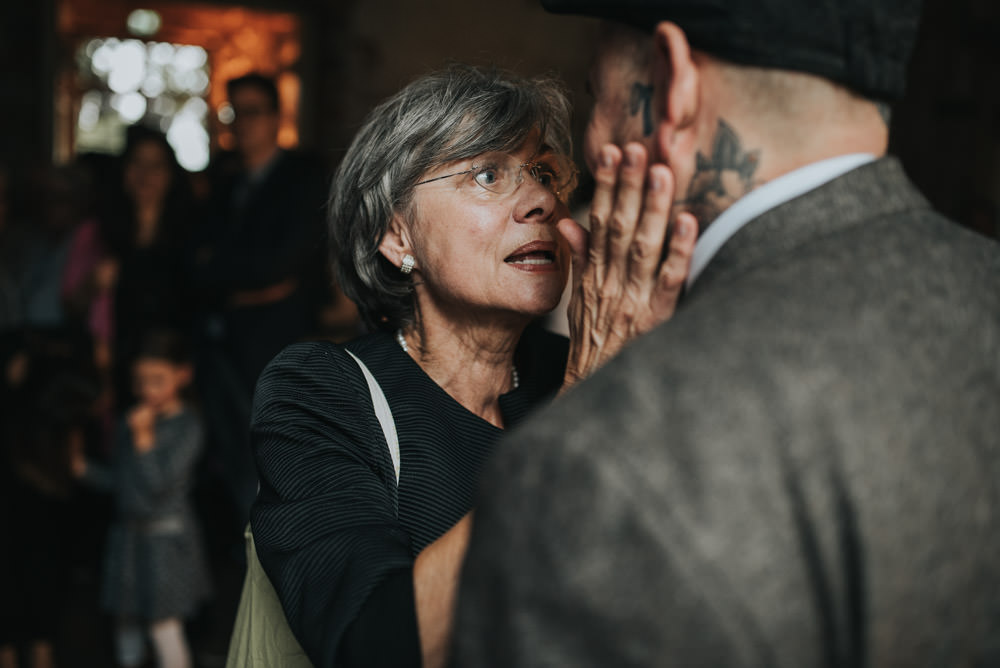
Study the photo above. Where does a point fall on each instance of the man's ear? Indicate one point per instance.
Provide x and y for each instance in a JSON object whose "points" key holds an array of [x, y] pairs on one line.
{"points": [[395, 244], [675, 84]]}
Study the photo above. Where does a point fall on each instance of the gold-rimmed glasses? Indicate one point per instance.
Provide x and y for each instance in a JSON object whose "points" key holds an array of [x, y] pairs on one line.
{"points": [[502, 173]]}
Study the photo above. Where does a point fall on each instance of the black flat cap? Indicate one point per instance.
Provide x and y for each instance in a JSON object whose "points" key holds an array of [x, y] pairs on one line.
{"points": [[863, 44]]}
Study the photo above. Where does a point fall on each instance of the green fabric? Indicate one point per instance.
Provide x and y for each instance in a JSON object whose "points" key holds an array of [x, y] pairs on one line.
{"points": [[261, 637]]}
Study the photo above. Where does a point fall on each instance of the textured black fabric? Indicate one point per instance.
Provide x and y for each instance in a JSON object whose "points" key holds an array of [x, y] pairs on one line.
{"points": [[384, 633], [329, 523], [863, 44]]}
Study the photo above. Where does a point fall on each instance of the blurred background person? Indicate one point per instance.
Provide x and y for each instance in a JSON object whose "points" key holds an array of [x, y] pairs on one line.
{"points": [[146, 231], [57, 248], [257, 259], [154, 573]]}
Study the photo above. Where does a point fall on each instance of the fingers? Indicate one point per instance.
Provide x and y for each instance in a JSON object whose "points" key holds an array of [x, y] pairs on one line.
{"points": [[634, 269], [646, 250], [618, 205], [629, 278], [626, 212], [603, 202], [676, 267]]}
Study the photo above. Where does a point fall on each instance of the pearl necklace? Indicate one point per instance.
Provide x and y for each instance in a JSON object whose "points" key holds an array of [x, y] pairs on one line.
{"points": [[515, 379]]}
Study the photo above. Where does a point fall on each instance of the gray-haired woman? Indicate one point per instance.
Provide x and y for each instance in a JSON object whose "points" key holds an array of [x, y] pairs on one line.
{"points": [[450, 231]]}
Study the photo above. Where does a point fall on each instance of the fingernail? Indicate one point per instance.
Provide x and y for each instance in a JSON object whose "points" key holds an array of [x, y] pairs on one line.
{"points": [[683, 229], [629, 158]]}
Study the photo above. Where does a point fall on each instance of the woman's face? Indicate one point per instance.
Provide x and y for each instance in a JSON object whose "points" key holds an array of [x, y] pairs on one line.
{"points": [[148, 173], [480, 252]]}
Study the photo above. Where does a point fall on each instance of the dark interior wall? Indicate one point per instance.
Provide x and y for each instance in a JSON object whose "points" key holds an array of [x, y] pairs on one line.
{"points": [[947, 129], [27, 57], [372, 48]]}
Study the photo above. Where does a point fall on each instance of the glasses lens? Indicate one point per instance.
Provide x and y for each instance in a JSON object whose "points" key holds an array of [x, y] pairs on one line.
{"points": [[555, 173], [497, 174], [502, 174]]}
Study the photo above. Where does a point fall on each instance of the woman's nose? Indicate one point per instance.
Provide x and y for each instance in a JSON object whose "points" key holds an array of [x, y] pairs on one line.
{"points": [[535, 202]]}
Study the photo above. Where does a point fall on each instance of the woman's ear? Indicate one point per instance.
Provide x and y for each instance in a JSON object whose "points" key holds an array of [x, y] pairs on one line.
{"points": [[395, 245], [676, 80]]}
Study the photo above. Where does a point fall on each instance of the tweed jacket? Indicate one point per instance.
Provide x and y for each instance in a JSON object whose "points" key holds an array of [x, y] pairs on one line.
{"points": [[801, 468]]}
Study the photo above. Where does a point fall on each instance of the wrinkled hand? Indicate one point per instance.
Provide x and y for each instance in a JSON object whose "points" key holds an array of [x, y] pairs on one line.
{"points": [[622, 285]]}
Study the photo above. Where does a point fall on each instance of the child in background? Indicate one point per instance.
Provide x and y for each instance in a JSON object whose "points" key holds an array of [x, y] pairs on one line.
{"points": [[154, 573]]}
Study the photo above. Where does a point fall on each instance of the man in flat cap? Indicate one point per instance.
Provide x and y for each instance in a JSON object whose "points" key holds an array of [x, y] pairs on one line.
{"points": [[802, 467]]}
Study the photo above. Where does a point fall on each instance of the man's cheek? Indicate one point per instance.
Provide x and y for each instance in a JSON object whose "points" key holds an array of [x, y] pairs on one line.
{"points": [[595, 137]]}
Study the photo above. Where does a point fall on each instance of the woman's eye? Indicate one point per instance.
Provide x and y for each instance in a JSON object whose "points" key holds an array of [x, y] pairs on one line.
{"points": [[545, 175], [488, 177]]}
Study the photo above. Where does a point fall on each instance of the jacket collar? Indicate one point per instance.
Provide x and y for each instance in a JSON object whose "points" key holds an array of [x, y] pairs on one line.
{"points": [[870, 192]]}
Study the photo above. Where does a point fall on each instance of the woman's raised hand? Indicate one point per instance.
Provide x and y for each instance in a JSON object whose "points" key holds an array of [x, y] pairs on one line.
{"points": [[623, 284]]}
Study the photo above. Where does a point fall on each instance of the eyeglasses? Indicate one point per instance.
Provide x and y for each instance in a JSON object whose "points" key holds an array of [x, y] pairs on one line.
{"points": [[503, 174]]}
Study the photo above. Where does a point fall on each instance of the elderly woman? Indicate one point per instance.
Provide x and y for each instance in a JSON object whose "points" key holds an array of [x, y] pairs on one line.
{"points": [[443, 219]]}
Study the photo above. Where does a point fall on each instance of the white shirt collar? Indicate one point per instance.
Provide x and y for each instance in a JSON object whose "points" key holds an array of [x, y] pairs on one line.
{"points": [[771, 194]]}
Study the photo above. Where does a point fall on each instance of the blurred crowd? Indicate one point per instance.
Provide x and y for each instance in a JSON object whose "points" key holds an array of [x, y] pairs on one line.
{"points": [[96, 257]]}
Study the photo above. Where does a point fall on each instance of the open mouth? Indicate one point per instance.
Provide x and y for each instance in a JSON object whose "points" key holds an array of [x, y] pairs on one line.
{"points": [[534, 254], [532, 257]]}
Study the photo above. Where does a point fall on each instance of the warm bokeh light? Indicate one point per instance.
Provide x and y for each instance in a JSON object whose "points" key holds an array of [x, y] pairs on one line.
{"points": [[90, 110], [156, 83], [143, 22], [189, 139], [130, 106], [168, 54], [153, 85], [226, 113], [126, 66]]}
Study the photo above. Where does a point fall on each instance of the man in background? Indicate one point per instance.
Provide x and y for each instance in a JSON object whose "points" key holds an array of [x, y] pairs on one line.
{"points": [[800, 468], [258, 271]]}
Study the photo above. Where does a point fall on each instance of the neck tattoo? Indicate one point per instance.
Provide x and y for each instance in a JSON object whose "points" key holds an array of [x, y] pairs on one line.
{"points": [[515, 379]]}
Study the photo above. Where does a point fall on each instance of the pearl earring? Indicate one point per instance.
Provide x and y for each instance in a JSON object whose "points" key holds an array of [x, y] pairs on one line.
{"points": [[408, 262]]}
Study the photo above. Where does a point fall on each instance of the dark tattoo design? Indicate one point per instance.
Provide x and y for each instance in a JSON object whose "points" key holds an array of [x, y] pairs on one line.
{"points": [[721, 179], [642, 98]]}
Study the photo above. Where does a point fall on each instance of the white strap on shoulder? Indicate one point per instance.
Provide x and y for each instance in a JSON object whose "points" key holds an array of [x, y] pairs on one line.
{"points": [[383, 413]]}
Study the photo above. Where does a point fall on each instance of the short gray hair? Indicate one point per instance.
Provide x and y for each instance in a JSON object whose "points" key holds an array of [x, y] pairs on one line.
{"points": [[449, 115]]}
